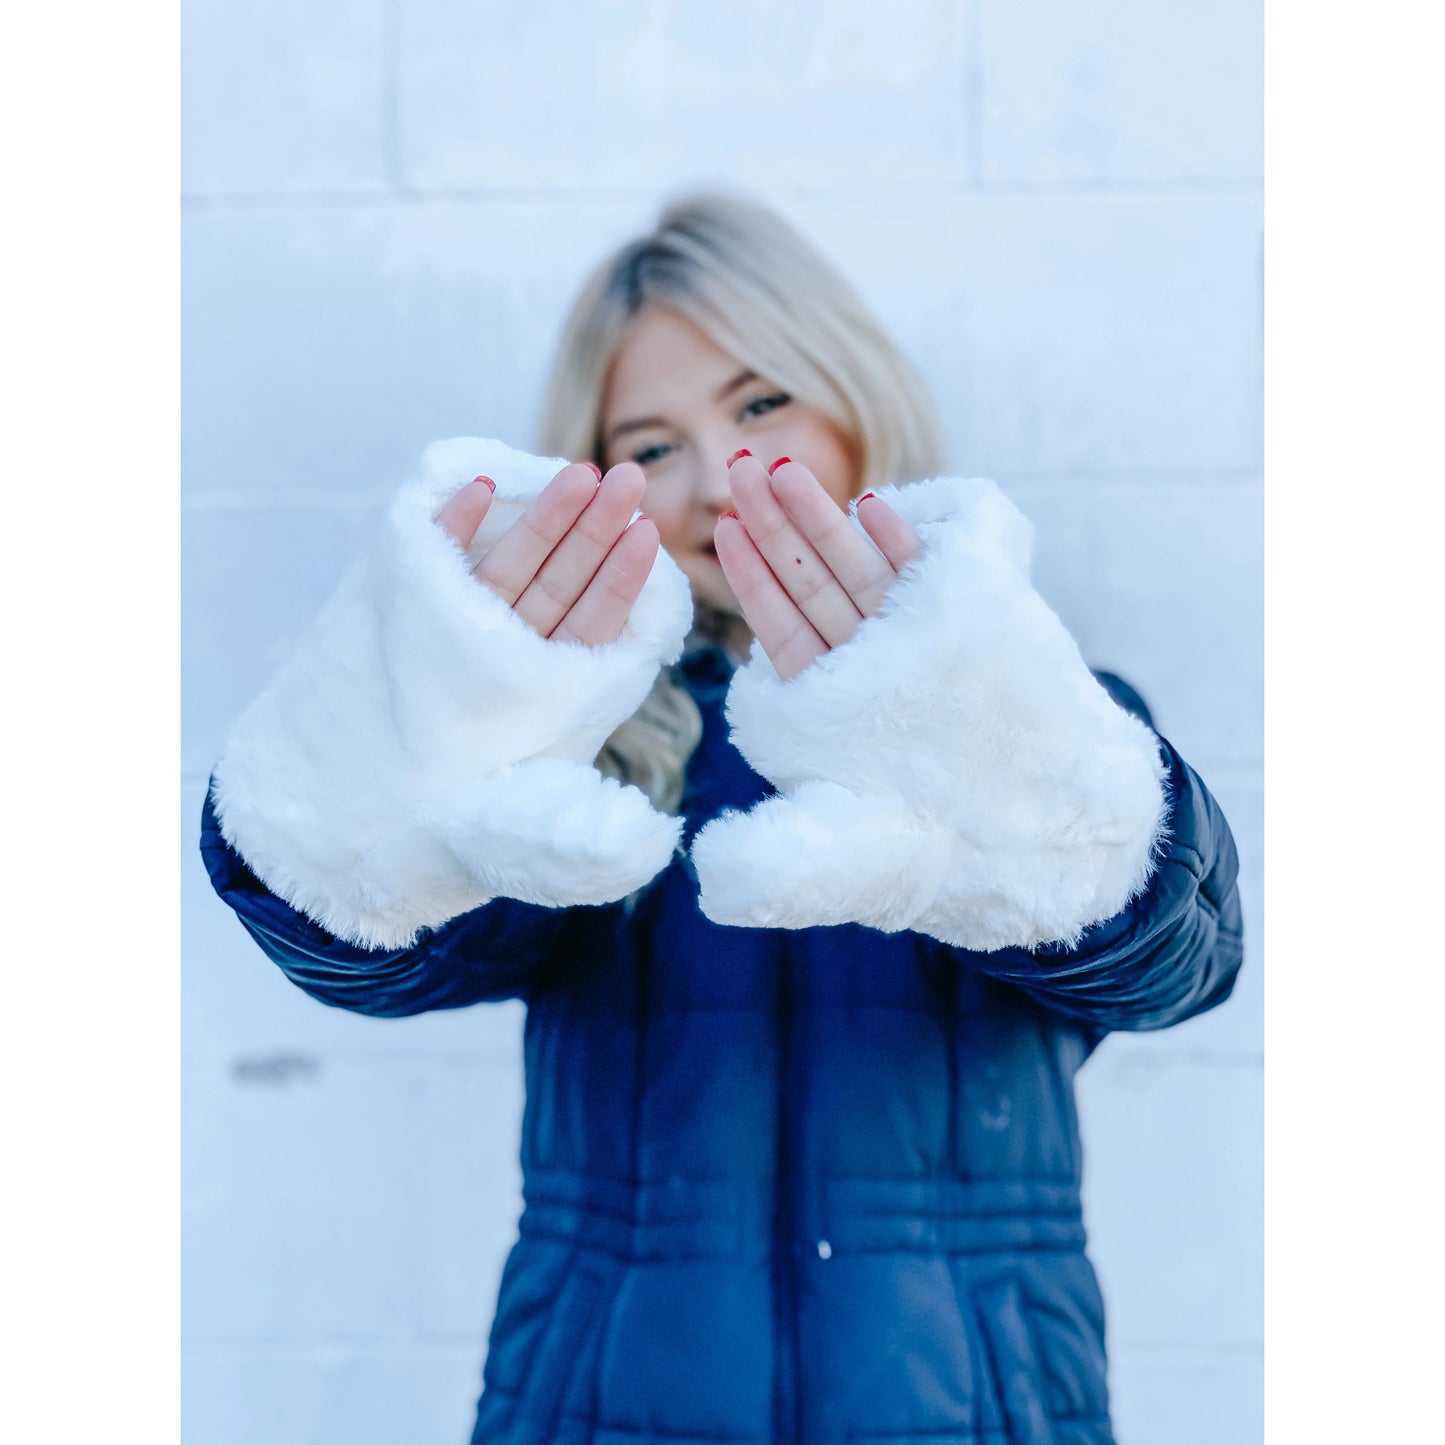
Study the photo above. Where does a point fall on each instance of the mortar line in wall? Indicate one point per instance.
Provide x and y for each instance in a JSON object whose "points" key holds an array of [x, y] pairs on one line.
{"points": [[1184, 1354], [1189, 477], [212, 1059], [222, 1053], [319, 1346], [405, 196], [1126, 188], [202, 203], [290, 500], [1163, 1060], [390, 91], [975, 88]]}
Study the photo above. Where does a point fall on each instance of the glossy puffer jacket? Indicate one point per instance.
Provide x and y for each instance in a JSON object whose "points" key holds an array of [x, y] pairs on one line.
{"points": [[800, 1152]]}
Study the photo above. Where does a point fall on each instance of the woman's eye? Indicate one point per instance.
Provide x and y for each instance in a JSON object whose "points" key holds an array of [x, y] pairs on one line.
{"points": [[761, 405], [649, 456]]}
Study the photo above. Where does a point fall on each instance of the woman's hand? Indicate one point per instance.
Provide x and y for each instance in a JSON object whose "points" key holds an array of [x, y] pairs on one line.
{"points": [[571, 566], [802, 575]]}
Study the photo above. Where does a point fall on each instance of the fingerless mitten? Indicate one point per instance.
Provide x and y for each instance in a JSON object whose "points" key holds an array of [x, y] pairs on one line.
{"points": [[954, 768], [423, 750]]}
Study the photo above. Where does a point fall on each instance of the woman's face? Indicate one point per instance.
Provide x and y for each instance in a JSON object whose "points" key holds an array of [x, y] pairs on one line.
{"points": [[679, 406]]}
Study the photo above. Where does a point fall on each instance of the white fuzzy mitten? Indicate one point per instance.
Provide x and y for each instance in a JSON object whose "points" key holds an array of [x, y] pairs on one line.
{"points": [[954, 768], [423, 750]]}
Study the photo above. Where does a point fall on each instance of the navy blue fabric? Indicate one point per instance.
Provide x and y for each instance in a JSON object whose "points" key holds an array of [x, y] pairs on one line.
{"points": [[817, 1187]]}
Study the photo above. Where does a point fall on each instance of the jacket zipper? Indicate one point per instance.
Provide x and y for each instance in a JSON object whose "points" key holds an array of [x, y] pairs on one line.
{"points": [[785, 1405]]}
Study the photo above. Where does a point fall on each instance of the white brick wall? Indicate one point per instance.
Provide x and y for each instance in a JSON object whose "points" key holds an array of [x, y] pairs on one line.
{"points": [[388, 206]]}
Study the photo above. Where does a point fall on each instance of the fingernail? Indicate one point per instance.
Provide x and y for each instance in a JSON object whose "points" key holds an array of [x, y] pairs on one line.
{"points": [[865, 497], [733, 515], [488, 482], [777, 464], [596, 470], [741, 452]]}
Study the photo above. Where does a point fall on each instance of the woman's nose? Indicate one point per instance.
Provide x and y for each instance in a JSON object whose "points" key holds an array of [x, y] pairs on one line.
{"points": [[714, 488]]}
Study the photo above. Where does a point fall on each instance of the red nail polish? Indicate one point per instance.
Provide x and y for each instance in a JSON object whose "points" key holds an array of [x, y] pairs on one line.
{"points": [[865, 497], [741, 452], [487, 481], [733, 515], [777, 464], [596, 470]]}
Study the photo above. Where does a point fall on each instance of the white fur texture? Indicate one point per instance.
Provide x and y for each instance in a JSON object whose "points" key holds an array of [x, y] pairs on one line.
{"points": [[423, 750], [954, 768]]}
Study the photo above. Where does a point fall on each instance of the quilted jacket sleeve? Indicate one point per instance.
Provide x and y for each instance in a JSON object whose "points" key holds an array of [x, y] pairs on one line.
{"points": [[1175, 949], [504, 949], [417, 780]]}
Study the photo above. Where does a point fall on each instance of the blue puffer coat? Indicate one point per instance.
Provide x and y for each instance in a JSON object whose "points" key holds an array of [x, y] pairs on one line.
{"points": [[793, 1187]]}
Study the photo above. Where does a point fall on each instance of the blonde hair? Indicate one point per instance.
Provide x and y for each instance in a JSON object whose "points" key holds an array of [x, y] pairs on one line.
{"points": [[766, 296]]}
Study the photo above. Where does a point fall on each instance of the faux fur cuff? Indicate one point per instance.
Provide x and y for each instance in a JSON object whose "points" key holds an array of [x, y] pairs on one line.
{"points": [[954, 768], [423, 750]]}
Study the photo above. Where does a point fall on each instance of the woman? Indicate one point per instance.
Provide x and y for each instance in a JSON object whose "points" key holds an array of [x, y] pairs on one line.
{"points": [[806, 1000]]}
